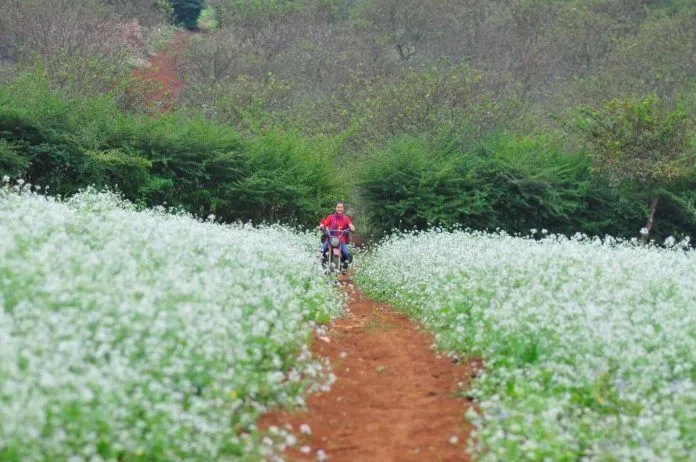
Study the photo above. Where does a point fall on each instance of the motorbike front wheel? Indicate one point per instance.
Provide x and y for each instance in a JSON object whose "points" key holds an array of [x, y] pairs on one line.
{"points": [[334, 263]]}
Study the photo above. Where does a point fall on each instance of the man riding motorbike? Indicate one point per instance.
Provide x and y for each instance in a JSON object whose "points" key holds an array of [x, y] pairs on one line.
{"points": [[337, 222]]}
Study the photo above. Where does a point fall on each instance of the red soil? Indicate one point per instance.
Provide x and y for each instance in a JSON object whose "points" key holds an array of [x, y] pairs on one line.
{"points": [[394, 399], [162, 73]]}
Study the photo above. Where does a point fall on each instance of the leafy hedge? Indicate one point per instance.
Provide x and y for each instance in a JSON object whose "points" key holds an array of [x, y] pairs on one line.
{"points": [[67, 143], [515, 184]]}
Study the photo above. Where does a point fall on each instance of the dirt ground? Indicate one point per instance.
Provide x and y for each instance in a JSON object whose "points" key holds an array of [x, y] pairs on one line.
{"points": [[394, 398], [162, 72]]}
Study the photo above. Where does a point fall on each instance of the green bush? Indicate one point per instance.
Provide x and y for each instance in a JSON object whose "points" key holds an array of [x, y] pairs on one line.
{"points": [[11, 162], [515, 184], [68, 143], [292, 179], [208, 19], [186, 12]]}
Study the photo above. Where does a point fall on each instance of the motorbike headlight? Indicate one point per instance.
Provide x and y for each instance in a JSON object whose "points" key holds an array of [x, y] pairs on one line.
{"points": [[335, 242]]}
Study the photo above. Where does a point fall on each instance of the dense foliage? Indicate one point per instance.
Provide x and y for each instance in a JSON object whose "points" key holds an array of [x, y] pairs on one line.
{"points": [[589, 347], [508, 183], [67, 143], [186, 12], [636, 143]]}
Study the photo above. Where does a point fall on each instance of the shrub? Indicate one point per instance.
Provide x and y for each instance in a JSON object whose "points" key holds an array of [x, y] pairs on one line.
{"points": [[68, 143], [292, 179], [207, 20], [186, 12], [640, 143], [514, 184]]}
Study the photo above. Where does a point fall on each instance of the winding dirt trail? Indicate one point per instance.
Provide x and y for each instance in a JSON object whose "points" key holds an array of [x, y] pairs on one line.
{"points": [[394, 398]]}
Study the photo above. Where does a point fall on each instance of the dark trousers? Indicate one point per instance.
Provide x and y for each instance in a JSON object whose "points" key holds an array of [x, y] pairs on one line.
{"points": [[344, 251]]}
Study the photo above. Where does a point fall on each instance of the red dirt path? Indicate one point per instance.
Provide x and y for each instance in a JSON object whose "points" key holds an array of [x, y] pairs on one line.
{"points": [[394, 399], [163, 73]]}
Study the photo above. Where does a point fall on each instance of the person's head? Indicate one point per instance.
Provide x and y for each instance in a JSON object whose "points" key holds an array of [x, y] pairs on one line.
{"points": [[339, 207]]}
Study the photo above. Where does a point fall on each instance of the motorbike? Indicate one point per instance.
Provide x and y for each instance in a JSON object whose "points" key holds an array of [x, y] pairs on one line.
{"points": [[334, 257]]}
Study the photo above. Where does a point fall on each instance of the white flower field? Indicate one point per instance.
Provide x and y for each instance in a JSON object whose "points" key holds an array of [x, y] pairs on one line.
{"points": [[132, 335], [589, 347], [141, 335]]}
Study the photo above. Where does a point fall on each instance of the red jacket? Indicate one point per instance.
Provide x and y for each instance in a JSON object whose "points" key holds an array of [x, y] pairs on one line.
{"points": [[335, 222]]}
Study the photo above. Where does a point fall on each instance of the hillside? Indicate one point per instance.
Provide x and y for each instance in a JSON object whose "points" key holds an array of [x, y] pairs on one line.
{"points": [[366, 82]]}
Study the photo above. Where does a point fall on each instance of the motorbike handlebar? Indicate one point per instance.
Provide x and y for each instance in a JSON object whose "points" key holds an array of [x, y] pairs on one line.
{"points": [[330, 231]]}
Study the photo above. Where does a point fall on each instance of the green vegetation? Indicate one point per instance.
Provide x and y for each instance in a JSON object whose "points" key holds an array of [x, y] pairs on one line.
{"points": [[487, 115], [517, 117], [68, 143], [186, 12], [207, 20], [634, 142], [508, 183]]}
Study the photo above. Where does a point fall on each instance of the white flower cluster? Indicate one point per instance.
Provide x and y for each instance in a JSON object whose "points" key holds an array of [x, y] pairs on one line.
{"points": [[589, 346], [141, 335]]}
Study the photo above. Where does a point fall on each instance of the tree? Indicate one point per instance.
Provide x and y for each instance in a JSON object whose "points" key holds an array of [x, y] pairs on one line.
{"points": [[637, 142], [79, 43], [186, 12], [148, 13]]}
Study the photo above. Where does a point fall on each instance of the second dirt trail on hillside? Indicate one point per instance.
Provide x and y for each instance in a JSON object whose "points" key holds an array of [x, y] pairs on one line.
{"points": [[163, 73]]}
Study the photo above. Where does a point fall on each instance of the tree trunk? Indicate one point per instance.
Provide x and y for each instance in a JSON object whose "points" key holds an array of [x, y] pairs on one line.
{"points": [[651, 217]]}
